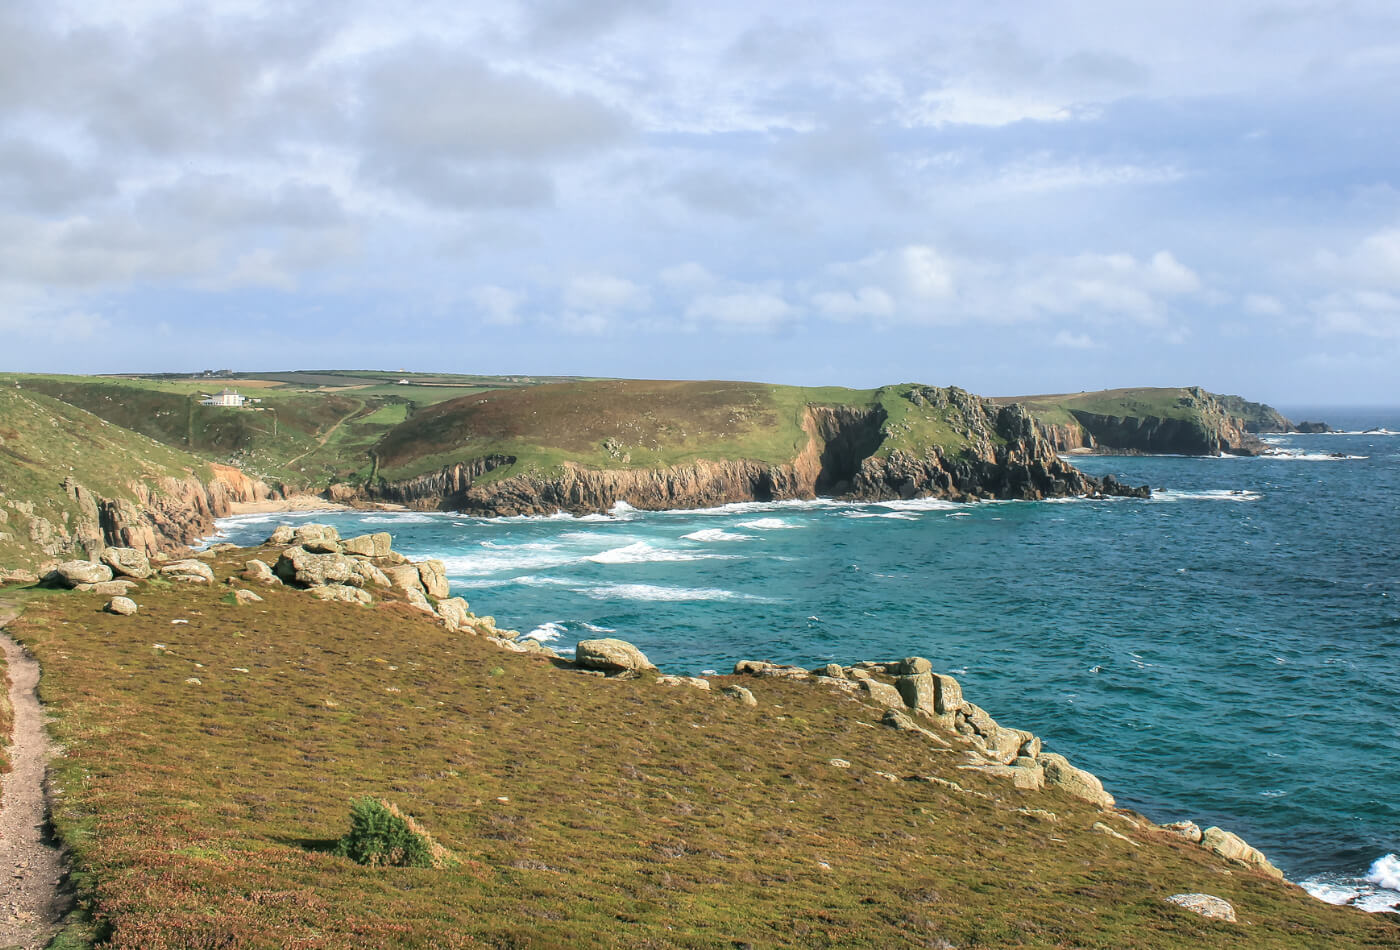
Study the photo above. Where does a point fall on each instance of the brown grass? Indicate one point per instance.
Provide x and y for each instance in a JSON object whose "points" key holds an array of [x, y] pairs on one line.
{"points": [[585, 812]]}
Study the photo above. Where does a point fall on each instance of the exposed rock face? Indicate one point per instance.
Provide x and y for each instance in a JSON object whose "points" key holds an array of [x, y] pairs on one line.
{"points": [[405, 577], [169, 513], [73, 573], [1207, 905], [300, 566], [612, 656], [741, 693], [1007, 456], [433, 574], [1208, 428], [1079, 783], [1186, 829], [190, 571], [128, 562], [1233, 847], [454, 612], [369, 545], [259, 573]]}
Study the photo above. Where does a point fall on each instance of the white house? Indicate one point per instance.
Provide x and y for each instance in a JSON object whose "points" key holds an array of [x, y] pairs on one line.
{"points": [[225, 397]]}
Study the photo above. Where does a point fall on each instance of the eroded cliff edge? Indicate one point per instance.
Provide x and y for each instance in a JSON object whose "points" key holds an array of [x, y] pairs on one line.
{"points": [[943, 443]]}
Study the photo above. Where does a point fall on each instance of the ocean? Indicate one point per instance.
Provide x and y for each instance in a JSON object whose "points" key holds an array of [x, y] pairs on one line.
{"points": [[1227, 651]]}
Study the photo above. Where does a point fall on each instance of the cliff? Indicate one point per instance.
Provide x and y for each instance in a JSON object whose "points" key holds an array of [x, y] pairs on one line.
{"points": [[904, 442], [72, 484], [1187, 421]]}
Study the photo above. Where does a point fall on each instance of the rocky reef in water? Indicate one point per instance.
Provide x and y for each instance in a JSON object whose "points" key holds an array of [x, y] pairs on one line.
{"points": [[852, 452]]}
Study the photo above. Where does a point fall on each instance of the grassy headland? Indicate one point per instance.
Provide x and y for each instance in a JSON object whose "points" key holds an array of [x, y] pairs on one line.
{"points": [[213, 752]]}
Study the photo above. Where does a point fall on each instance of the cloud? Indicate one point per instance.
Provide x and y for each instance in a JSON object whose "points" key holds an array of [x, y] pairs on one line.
{"points": [[742, 310], [850, 305], [1360, 312], [604, 294], [926, 272], [1073, 341], [1263, 305], [497, 305]]}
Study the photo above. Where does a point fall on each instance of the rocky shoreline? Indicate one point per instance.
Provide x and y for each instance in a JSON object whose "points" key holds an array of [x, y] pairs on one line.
{"points": [[912, 697], [1007, 456]]}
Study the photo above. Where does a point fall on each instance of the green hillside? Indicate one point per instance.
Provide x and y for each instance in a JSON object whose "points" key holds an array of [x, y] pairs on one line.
{"points": [[45, 443]]}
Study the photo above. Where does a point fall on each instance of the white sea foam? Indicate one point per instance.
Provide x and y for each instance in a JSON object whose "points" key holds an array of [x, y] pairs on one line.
{"points": [[1378, 891], [501, 561], [1298, 455], [921, 504], [546, 632], [1386, 872], [656, 593], [761, 507], [404, 517], [1208, 494], [594, 628], [716, 534], [768, 524], [643, 553]]}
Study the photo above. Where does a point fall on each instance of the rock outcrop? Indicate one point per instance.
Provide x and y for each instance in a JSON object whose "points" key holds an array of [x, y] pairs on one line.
{"points": [[612, 656]]}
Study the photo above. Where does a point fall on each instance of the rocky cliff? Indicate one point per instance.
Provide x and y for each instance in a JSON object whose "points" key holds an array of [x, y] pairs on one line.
{"points": [[1196, 423], [851, 451]]}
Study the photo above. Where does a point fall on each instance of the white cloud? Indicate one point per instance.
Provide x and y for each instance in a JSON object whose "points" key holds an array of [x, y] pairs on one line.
{"points": [[956, 106], [605, 294], [498, 306], [690, 274], [1361, 312], [1074, 341], [927, 272], [742, 310]]}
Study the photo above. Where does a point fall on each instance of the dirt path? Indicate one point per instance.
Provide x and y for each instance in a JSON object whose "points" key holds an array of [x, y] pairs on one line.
{"points": [[32, 868], [327, 437]]}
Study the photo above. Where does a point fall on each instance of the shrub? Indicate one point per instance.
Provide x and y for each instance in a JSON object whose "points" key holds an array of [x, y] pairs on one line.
{"points": [[382, 836]]}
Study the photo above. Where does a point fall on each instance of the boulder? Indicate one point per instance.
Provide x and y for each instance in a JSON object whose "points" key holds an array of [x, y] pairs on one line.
{"points": [[128, 562], [1186, 829], [699, 682], [123, 606], [947, 695], [118, 588], [1031, 779], [454, 612], [73, 573], [1103, 829], [832, 670], [371, 574], [339, 592], [417, 600], [612, 656], [764, 668], [1207, 905], [369, 545], [882, 693], [18, 576], [283, 534], [298, 565], [911, 665], [259, 573], [1234, 848], [903, 722], [189, 571], [740, 693], [245, 597], [405, 577], [1077, 782], [319, 534], [433, 574]]}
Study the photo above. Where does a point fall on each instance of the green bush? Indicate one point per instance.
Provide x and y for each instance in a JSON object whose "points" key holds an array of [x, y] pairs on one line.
{"points": [[382, 836]]}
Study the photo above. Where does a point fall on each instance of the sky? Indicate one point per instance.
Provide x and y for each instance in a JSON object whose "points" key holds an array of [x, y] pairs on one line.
{"points": [[1012, 197]]}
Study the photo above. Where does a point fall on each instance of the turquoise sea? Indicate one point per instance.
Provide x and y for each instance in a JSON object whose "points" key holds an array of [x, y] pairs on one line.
{"points": [[1228, 651]]}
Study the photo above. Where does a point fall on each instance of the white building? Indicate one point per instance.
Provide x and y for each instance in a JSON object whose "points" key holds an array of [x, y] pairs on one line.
{"points": [[225, 397]]}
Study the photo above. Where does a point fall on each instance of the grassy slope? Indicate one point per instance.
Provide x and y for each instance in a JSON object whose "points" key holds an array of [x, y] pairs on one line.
{"points": [[326, 422], [641, 424], [587, 812], [1164, 403], [43, 441]]}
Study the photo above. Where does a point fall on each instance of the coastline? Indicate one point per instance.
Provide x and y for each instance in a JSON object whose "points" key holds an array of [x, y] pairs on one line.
{"points": [[303, 504]]}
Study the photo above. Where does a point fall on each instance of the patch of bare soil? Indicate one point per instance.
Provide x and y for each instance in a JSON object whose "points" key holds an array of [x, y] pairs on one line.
{"points": [[33, 898]]}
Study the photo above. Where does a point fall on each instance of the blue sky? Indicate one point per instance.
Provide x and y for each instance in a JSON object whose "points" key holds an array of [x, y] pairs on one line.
{"points": [[1010, 197]]}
